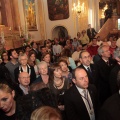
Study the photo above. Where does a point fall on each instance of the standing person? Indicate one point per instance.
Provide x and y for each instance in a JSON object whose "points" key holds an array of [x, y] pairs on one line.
{"points": [[65, 70], [91, 32], [20, 108], [32, 61], [104, 66], [114, 72], [57, 50], [80, 99], [34, 48], [24, 67], [91, 70], [108, 13], [43, 73], [84, 39], [111, 108], [7, 103], [47, 58], [58, 86], [13, 63], [66, 52], [4, 57]]}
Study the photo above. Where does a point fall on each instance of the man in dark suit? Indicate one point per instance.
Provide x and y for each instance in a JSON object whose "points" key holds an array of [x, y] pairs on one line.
{"points": [[78, 105], [85, 60], [91, 32], [104, 66], [114, 72], [35, 49], [111, 107]]}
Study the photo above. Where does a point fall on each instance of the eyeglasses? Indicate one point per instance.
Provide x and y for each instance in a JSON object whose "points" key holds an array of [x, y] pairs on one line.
{"points": [[24, 77]]}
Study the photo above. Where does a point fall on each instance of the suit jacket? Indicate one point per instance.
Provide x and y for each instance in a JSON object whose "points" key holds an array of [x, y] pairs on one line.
{"points": [[32, 75], [92, 33], [113, 79], [74, 105], [103, 81], [92, 77], [111, 108]]}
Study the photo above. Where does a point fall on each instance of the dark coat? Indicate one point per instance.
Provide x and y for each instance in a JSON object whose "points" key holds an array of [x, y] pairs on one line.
{"points": [[113, 79], [32, 73], [111, 108], [91, 34], [103, 81], [92, 77], [74, 105]]}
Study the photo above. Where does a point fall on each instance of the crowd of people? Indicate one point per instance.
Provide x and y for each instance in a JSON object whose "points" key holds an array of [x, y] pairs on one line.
{"points": [[64, 79]]}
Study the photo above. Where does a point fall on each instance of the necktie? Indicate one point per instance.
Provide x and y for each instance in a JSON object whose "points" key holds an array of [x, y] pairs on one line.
{"points": [[87, 98], [107, 63], [89, 71], [88, 102]]}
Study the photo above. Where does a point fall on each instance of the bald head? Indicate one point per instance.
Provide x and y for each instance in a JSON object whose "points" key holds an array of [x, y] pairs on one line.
{"points": [[24, 79]]}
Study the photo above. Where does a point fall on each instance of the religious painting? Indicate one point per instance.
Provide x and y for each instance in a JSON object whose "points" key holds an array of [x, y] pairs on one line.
{"points": [[58, 9], [30, 14]]}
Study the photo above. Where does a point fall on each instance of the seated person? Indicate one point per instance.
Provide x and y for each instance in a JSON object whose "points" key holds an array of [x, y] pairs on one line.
{"points": [[93, 48], [75, 55], [24, 81]]}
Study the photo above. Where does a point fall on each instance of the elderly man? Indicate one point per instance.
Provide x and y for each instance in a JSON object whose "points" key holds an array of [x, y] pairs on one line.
{"points": [[104, 66], [113, 74], [24, 81], [80, 99]]}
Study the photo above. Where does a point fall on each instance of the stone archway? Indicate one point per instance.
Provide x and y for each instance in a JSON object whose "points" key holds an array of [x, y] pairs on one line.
{"points": [[59, 32]]}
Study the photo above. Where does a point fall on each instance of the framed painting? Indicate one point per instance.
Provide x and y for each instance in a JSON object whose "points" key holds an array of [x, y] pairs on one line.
{"points": [[58, 9], [30, 14]]}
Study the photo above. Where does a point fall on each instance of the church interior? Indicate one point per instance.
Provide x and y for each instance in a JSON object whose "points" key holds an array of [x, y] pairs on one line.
{"points": [[38, 19], [59, 59]]}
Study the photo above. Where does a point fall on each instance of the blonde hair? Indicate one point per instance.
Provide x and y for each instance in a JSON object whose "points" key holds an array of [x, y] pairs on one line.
{"points": [[5, 88], [46, 113]]}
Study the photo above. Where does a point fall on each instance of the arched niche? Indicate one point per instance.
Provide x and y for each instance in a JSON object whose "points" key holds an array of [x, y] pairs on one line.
{"points": [[59, 32]]}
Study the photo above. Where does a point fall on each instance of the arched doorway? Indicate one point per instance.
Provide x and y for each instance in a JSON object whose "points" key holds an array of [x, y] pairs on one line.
{"points": [[59, 32]]}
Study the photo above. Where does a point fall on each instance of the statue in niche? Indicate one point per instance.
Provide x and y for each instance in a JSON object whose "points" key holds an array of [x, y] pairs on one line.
{"points": [[31, 15]]}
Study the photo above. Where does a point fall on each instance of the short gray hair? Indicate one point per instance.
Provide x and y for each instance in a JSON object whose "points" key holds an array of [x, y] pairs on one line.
{"points": [[116, 53], [100, 49], [42, 63], [21, 55]]}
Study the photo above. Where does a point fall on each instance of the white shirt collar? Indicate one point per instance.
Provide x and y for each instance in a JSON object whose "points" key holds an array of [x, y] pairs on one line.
{"points": [[86, 67]]}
